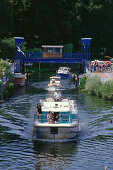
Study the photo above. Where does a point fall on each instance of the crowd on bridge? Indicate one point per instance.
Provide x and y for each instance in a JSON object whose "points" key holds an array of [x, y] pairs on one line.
{"points": [[99, 66]]}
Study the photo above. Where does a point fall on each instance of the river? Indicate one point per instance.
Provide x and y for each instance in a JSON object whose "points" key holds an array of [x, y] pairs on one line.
{"points": [[92, 149]]}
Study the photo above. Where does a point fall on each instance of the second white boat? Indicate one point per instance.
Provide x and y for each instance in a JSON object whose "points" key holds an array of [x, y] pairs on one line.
{"points": [[54, 83]]}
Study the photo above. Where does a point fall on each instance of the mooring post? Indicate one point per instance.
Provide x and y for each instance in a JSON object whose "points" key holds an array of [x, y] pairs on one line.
{"points": [[77, 81], [74, 78], [39, 66]]}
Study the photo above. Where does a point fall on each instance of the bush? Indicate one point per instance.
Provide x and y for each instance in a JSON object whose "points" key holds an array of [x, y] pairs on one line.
{"points": [[11, 85], [9, 91], [4, 68], [107, 90], [82, 82], [93, 85]]}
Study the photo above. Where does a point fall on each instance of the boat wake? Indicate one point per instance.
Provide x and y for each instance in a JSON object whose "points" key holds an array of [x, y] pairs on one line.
{"points": [[53, 140]]}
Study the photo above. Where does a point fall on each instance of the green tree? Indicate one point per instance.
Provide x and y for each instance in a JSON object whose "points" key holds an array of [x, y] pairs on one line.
{"points": [[8, 48], [4, 68], [50, 22], [59, 22], [6, 18], [21, 11], [94, 18]]}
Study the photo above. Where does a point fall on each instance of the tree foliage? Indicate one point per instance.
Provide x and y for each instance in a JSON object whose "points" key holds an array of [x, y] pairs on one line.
{"points": [[4, 68], [7, 48], [59, 22], [6, 18]]}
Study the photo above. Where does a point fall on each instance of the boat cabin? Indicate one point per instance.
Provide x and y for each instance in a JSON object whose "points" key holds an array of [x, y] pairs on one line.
{"points": [[62, 109], [51, 51], [55, 79]]}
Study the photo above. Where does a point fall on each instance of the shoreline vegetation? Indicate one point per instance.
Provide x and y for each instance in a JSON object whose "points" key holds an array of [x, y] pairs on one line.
{"points": [[94, 86], [6, 79]]}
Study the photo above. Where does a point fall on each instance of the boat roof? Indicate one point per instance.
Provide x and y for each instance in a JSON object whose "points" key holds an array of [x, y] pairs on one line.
{"points": [[50, 105], [64, 68], [52, 46], [55, 77]]}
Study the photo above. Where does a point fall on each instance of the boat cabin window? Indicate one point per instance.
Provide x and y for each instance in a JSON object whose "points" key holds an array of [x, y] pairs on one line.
{"points": [[59, 117], [57, 79], [50, 50], [64, 118]]}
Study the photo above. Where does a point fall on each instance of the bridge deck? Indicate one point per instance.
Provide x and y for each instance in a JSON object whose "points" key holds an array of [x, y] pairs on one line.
{"points": [[37, 58], [51, 60]]}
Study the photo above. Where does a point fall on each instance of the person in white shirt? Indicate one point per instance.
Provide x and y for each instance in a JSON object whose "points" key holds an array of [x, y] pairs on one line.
{"points": [[57, 95], [50, 117]]}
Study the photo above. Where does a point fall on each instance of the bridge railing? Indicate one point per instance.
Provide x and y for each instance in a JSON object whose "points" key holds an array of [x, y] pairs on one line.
{"points": [[35, 55], [72, 55]]}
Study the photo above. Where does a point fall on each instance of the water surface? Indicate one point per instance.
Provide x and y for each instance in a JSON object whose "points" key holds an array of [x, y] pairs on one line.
{"points": [[92, 148]]}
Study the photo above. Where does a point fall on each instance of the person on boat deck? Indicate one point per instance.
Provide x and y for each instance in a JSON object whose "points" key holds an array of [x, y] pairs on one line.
{"points": [[53, 80], [56, 118], [57, 95], [50, 117], [38, 111]]}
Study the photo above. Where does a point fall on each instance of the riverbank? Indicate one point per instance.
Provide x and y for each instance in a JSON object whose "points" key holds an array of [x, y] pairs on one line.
{"points": [[104, 76], [98, 83]]}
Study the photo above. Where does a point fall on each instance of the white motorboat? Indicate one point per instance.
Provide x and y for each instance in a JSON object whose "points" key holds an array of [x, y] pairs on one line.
{"points": [[67, 125], [64, 72], [54, 83]]}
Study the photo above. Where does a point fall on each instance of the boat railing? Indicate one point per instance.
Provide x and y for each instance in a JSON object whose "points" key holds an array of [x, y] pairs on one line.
{"points": [[49, 99], [64, 100], [63, 117]]}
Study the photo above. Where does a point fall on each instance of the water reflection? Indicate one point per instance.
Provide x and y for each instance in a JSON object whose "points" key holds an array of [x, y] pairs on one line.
{"points": [[54, 155], [20, 90]]}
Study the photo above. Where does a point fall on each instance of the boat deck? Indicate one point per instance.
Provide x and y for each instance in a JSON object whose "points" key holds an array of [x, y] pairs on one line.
{"points": [[46, 124]]}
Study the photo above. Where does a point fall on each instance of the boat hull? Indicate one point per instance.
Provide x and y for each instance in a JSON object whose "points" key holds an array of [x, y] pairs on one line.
{"points": [[53, 88], [62, 75], [55, 132]]}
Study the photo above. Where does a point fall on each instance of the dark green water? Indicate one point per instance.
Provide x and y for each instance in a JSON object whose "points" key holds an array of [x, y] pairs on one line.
{"points": [[92, 149]]}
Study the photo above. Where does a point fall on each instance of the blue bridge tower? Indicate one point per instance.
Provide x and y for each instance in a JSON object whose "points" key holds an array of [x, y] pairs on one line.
{"points": [[19, 41], [86, 42]]}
